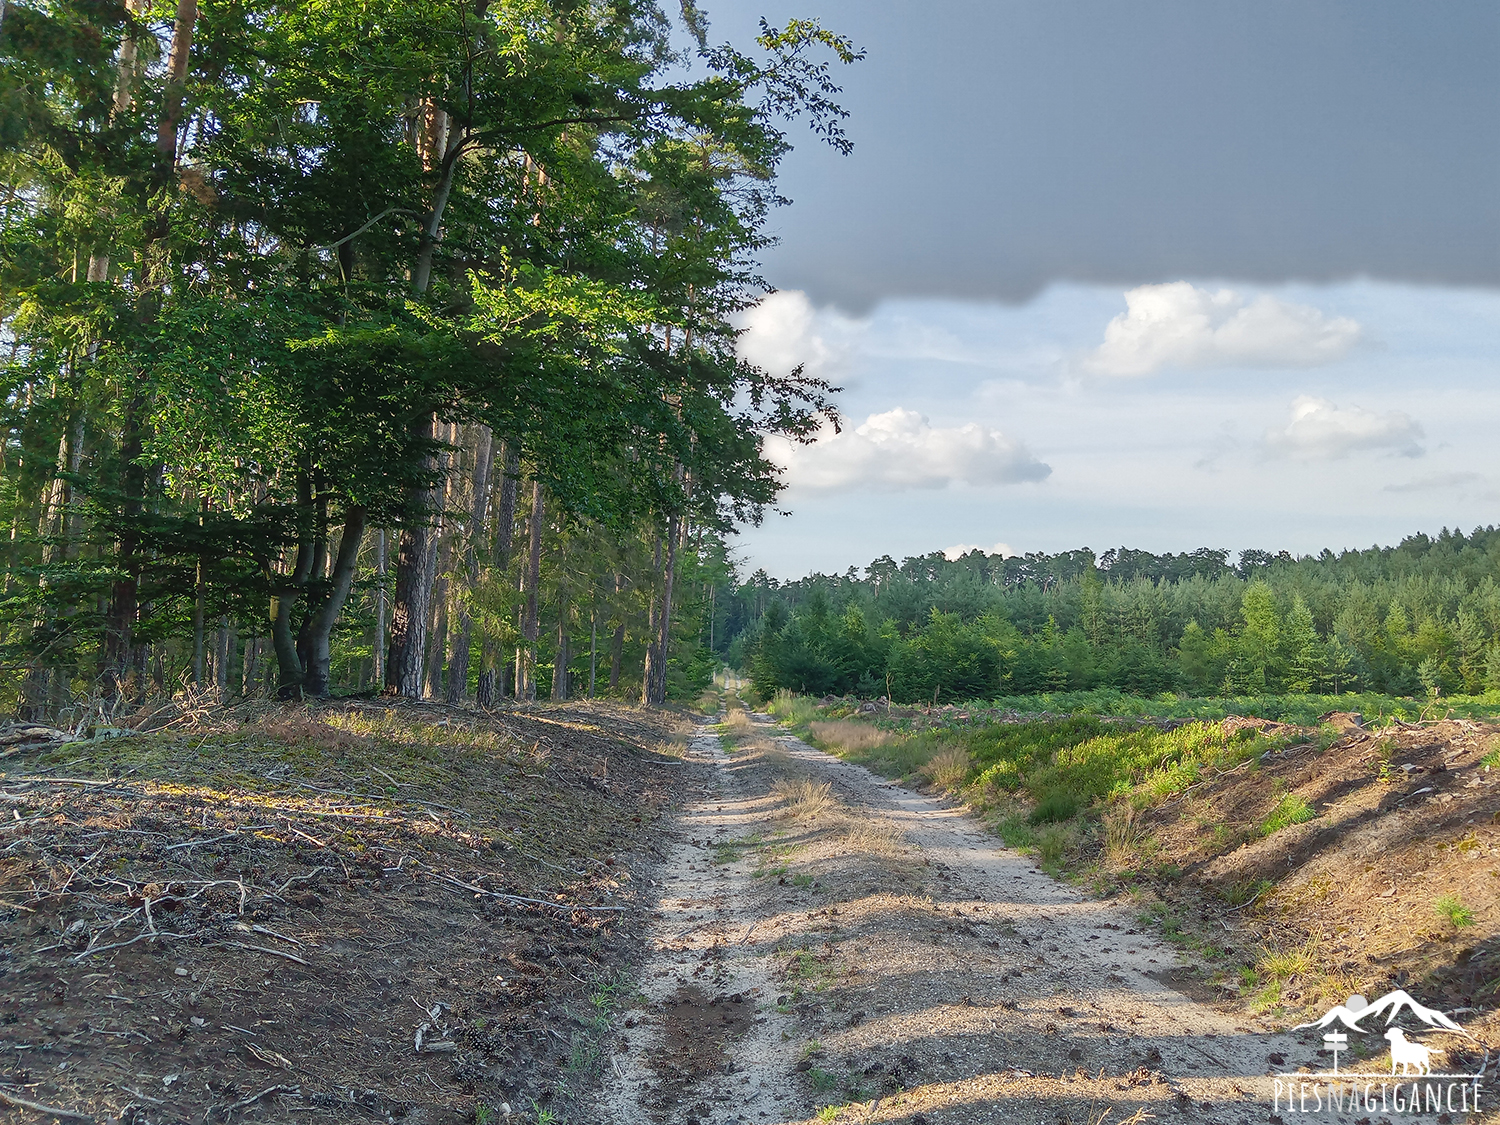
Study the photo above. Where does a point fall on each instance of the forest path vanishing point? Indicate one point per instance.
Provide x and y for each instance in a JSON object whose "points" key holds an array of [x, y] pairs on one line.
{"points": [[864, 953]]}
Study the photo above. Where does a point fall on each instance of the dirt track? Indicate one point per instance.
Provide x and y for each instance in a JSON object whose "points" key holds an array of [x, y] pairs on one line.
{"points": [[885, 960]]}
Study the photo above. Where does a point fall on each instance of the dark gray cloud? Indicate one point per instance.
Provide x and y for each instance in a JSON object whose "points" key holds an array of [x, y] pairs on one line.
{"points": [[1006, 144]]}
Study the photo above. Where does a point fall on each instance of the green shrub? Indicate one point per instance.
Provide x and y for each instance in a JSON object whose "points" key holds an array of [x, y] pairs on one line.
{"points": [[1290, 810], [1015, 831], [1054, 806], [1052, 845], [794, 710]]}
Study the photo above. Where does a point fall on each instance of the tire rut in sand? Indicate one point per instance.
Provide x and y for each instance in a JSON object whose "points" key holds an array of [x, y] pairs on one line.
{"points": [[875, 956]]}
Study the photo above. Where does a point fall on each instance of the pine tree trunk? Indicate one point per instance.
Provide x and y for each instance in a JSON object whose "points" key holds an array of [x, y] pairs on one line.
{"points": [[124, 605], [120, 618], [432, 675], [438, 146], [664, 622], [593, 648], [415, 553], [530, 580], [564, 655], [617, 644], [200, 597], [458, 667], [651, 658], [377, 648], [493, 673], [223, 650], [436, 575]]}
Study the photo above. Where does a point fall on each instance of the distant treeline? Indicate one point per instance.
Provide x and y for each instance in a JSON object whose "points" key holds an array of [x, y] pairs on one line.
{"points": [[1414, 619]]}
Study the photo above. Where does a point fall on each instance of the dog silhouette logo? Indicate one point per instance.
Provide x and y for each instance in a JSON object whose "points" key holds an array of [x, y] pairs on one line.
{"points": [[1411, 1055]]}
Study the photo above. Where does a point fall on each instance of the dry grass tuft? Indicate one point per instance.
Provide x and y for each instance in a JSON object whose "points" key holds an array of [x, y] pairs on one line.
{"points": [[844, 736], [874, 836], [1122, 834], [947, 769], [737, 721], [805, 798]]}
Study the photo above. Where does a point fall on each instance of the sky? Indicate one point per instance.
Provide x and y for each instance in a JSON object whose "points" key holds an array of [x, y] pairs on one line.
{"points": [[1155, 274]]}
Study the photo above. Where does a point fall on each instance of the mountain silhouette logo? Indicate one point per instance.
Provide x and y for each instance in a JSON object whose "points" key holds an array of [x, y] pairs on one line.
{"points": [[1356, 1008], [1421, 1085]]}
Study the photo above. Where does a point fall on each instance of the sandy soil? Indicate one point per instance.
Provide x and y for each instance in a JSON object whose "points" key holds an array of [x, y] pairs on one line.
{"points": [[883, 959]]}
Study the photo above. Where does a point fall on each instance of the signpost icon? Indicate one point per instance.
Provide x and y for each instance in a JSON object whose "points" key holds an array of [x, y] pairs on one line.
{"points": [[1335, 1041]]}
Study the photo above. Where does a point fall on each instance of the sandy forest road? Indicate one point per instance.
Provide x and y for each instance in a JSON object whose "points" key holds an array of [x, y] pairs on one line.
{"points": [[883, 959]]}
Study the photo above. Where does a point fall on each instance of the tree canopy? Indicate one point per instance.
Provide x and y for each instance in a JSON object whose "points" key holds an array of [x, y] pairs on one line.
{"points": [[280, 278]]}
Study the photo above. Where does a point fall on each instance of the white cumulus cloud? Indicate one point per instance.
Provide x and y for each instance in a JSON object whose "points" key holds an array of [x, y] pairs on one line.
{"points": [[1181, 325], [1321, 429], [899, 450], [959, 550], [785, 330]]}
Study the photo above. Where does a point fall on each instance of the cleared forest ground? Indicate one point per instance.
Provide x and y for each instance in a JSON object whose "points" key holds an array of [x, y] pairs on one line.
{"points": [[352, 911]]}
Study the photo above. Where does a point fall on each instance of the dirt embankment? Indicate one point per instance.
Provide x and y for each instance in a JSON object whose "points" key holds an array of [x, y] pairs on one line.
{"points": [[353, 911], [1391, 881]]}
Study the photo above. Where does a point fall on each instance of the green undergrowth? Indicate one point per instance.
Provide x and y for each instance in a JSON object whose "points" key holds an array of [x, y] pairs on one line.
{"points": [[1057, 769], [1300, 710]]}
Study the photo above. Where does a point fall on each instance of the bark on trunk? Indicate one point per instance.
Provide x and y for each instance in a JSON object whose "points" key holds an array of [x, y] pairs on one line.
{"points": [[564, 655], [655, 689], [530, 579], [223, 651], [318, 632], [438, 148], [492, 673], [432, 674], [177, 67], [289, 674], [458, 666], [200, 595], [377, 650], [250, 671], [617, 644], [119, 619], [414, 554], [413, 601], [649, 660], [124, 596], [593, 649]]}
